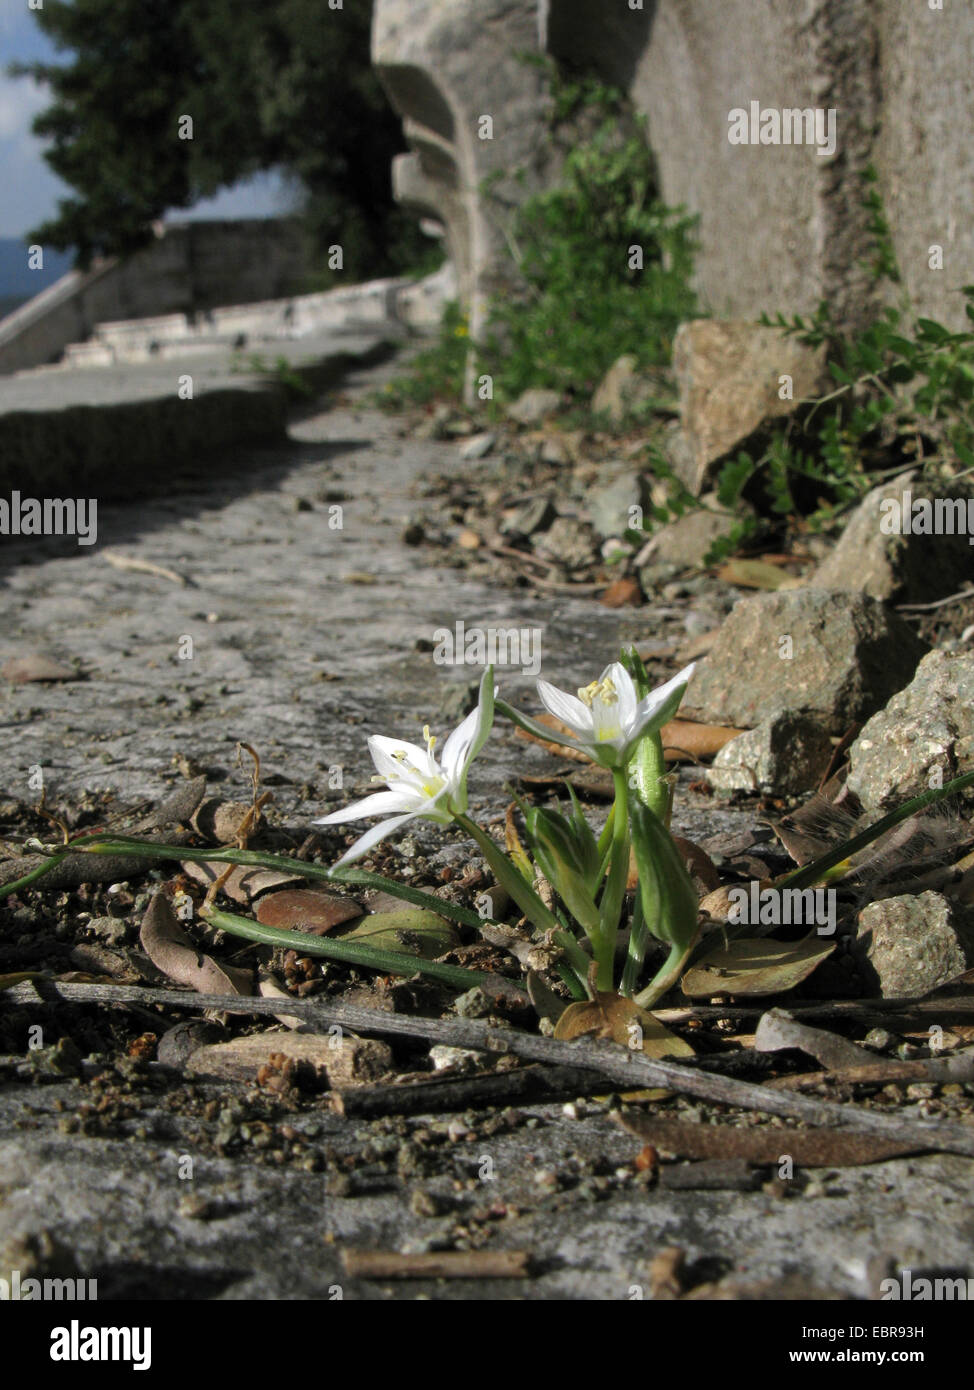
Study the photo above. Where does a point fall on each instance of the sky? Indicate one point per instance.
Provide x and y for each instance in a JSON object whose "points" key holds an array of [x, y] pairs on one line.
{"points": [[30, 189]]}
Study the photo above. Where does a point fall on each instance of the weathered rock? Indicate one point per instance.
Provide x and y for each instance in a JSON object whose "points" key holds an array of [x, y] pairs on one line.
{"points": [[533, 405], [624, 389], [923, 738], [684, 543], [617, 504], [884, 562], [729, 377], [835, 657], [786, 753], [571, 542], [478, 446], [536, 515], [910, 945]]}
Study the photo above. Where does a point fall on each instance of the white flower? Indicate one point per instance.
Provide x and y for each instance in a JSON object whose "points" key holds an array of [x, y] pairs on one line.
{"points": [[418, 783], [607, 718]]}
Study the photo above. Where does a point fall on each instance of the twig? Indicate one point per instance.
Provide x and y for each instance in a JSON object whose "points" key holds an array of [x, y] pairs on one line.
{"points": [[127, 562], [532, 1083], [937, 603], [628, 1069]]}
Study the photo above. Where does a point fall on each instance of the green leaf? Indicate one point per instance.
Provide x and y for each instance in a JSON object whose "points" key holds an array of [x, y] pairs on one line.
{"points": [[412, 931]]}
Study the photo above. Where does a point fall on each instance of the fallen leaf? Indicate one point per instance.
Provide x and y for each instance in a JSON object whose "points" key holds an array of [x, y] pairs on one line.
{"points": [[35, 667], [171, 951], [413, 930], [621, 1020], [754, 966], [242, 885], [809, 1148], [306, 909], [622, 593], [757, 574]]}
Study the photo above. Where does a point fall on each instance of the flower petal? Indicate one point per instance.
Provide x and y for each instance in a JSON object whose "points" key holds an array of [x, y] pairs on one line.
{"points": [[625, 690], [656, 707], [387, 764], [372, 837], [379, 804], [568, 709]]}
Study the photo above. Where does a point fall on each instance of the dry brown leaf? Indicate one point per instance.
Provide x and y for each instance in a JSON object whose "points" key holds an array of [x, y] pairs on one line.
{"points": [[242, 885], [36, 667], [306, 909], [754, 966], [622, 593], [757, 574], [620, 1020], [171, 951], [809, 1148]]}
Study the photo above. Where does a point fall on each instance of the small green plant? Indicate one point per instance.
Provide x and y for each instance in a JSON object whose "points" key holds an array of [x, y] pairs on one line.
{"points": [[436, 371], [904, 387], [604, 266]]}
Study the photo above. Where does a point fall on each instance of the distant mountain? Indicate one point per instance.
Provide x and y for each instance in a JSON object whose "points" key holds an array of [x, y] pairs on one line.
{"points": [[18, 282]]}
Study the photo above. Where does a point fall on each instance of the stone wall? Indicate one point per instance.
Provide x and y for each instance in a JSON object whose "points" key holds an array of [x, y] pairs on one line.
{"points": [[191, 267], [781, 226]]}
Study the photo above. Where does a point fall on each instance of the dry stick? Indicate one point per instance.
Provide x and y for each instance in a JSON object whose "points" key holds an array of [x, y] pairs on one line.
{"points": [[943, 1007], [628, 1069], [537, 1084]]}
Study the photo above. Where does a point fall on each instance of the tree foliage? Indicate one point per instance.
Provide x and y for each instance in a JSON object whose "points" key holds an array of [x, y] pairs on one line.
{"points": [[279, 84]]}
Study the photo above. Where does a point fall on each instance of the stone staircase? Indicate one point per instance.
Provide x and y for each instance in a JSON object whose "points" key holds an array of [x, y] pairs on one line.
{"points": [[360, 308]]}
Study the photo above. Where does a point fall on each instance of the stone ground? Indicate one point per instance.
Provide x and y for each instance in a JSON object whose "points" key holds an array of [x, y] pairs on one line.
{"points": [[305, 639]]}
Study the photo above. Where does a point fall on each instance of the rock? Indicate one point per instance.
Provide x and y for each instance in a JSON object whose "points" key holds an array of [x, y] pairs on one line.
{"points": [[533, 405], [624, 389], [785, 754], [835, 657], [478, 446], [923, 738], [571, 542], [112, 930], [910, 945], [684, 543], [533, 516], [728, 379], [617, 504], [457, 700], [887, 564], [36, 667]]}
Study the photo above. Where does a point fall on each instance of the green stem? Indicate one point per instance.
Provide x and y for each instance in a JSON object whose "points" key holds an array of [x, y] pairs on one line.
{"points": [[124, 845], [389, 962], [638, 944], [33, 876], [610, 908], [510, 878]]}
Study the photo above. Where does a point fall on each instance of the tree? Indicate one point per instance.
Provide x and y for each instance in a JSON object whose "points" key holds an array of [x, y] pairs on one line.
{"points": [[277, 84]]}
